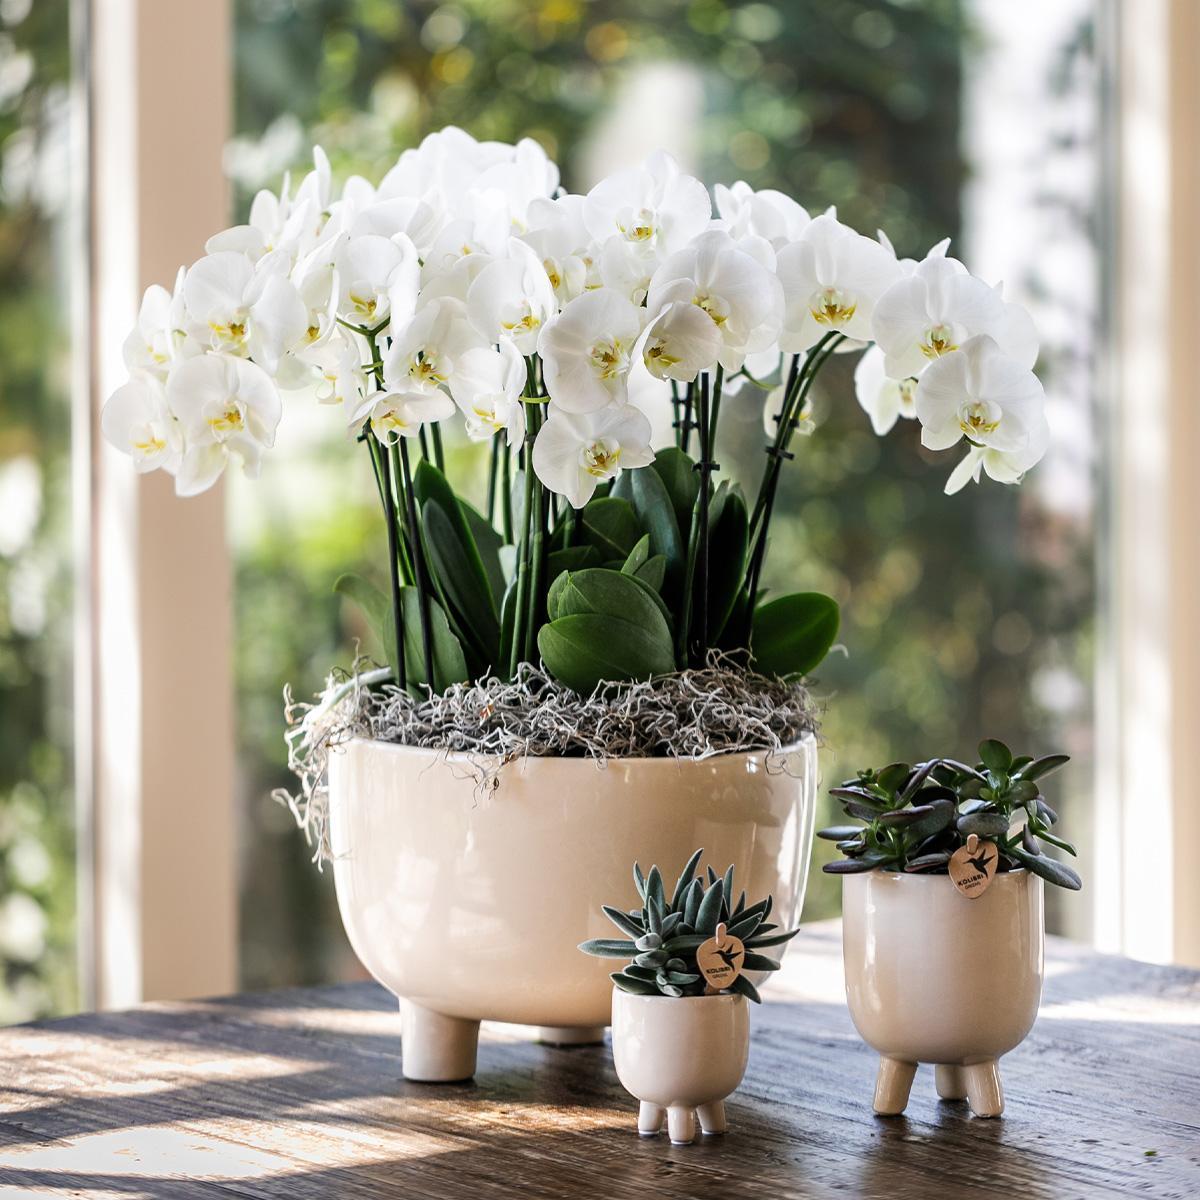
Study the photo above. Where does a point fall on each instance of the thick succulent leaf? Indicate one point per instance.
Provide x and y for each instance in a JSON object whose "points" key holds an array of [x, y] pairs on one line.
{"points": [[839, 833], [678, 978], [608, 948], [623, 921], [611, 525], [938, 816], [431, 486], [685, 942], [638, 987], [761, 941], [984, 824], [856, 866], [856, 808], [1050, 869], [1047, 836], [892, 777], [901, 817], [745, 927], [927, 862], [636, 970], [1043, 766], [652, 959], [709, 914], [681, 480], [585, 649], [639, 881], [671, 922], [1046, 813], [685, 880], [995, 755], [793, 634], [860, 795], [744, 987], [655, 892], [1024, 791], [758, 962], [691, 904]]}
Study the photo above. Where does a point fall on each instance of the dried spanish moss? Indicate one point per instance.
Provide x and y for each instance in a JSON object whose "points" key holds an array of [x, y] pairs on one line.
{"points": [[694, 714]]}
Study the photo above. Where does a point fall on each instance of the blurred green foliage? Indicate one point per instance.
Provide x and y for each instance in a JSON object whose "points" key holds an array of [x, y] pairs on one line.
{"points": [[951, 606], [37, 897]]}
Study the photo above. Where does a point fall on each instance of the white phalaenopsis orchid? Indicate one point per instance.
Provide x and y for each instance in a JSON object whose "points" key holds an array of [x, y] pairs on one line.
{"points": [[487, 387], [982, 394], [227, 407], [512, 298], [587, 351], [575, 452], [884, 400], [932, 312], [572, 333], [137, 422], [766, 214], [245, 309], [741, 297], [832, 278], [656, 208]]}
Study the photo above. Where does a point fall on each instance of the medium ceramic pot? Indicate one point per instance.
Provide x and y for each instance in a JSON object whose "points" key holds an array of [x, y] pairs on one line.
{"points": [[933, 976], [680, 1058], [469, 901]]}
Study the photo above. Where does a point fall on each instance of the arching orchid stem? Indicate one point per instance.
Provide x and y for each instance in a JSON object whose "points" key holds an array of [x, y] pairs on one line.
{"points": [[789, 419], [493, 474], [424, 586], [706, 422], [384, 476]]}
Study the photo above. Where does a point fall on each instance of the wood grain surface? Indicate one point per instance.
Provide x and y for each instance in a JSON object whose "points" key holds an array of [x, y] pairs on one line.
{"points": [[298, 1094]]}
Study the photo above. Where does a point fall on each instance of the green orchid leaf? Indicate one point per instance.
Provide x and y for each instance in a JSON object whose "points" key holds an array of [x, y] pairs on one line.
{"points": [[637, 556], [611, 526], [653, 573], [793, 634], [654, 506], [462, 580], [728, 536], [489, 543], [449, 662], [573, 558], [376, 608], [682, 483]]}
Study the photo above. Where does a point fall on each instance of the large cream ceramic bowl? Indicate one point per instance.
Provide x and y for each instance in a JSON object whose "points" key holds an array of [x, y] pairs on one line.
{"points": [[469, 902], [933, 976]]}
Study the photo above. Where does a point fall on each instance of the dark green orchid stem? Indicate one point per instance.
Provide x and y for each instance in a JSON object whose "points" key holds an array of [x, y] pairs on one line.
{"points": [[506, 492], [493, 474], [424, 587], [789, 419], [439, 458]]}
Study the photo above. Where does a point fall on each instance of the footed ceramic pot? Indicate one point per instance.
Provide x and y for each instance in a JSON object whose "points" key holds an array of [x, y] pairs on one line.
{"points": [[469, 902], [935, 977], [680, 1058]]}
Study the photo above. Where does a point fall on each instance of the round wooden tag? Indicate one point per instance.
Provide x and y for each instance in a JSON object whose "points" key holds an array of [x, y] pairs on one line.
{"points": [[720, 959], [973, 867]]}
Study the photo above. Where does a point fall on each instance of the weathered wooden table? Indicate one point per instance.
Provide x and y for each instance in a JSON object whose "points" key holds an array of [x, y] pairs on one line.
{"points": [[298, 1094]]}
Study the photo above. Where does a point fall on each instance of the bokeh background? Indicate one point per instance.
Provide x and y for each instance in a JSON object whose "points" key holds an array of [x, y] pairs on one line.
{"points": [[962, 617]]}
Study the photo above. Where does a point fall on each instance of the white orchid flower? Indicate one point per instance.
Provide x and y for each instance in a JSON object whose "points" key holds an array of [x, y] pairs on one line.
{"points": [[227, 407], [378, 279], [401, 414], [406, 215], [574, 452], [680, 342], [741, 297], [426, 348], [487, 387], [338, 364], [244, 309], [452, 279], [136, 420], [625, 267], [160, 335], [884, 400], [655, 207], [773, 410], [984, 395], [766, 214], [512, 185], [512, 298], [1004, 466], [832, 278], [932, 312], [560, 239], [587, 351]]}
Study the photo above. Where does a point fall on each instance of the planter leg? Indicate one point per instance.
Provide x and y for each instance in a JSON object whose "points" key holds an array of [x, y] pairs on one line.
{"points": [[681, 1125], [435, 1048], [581, 1035], [949, 1080], [712, 1117], [984, 1093], [892, 1086], [650, 1118]]}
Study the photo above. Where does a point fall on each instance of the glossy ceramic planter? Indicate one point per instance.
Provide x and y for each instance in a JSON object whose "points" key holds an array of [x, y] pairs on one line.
{"points": [[935, 977], [680, 1058], [469, 903]]}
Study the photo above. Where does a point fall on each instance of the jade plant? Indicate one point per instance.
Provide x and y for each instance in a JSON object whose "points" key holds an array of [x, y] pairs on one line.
{"points": [[913, 818], [663, 934]]}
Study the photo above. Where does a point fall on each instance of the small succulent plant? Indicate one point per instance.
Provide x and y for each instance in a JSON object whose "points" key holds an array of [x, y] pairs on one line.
{"points": [[915, 817], [664, 933]]}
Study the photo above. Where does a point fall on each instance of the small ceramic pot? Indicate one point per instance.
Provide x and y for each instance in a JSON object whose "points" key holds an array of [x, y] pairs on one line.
{"points": [[681, 1057], [933, 976]]}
